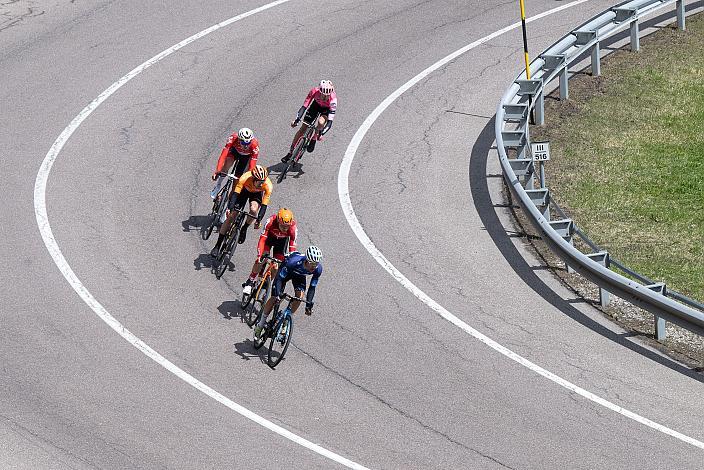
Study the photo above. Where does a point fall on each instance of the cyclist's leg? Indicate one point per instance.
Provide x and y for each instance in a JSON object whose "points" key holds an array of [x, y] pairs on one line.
{"points": [[258, 265], [299, 286], [276, 290], [236, 201], [220, 180], [254, 201], [279, 246]]}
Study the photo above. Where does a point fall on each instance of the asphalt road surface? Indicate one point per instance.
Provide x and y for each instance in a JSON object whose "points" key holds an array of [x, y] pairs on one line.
{"points": [[375, 375]]}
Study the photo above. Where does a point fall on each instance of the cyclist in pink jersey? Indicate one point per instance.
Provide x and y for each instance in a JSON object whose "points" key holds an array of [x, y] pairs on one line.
{"points": [[320, 99]]}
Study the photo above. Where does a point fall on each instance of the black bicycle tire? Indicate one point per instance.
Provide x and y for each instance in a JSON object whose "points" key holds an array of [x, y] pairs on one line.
{"points": [[225, 262], [295, 156], [289, 330], [257, 306], [259, 342]]}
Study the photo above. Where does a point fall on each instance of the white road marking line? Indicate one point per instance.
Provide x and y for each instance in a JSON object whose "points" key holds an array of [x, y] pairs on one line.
{"points": [[346, 203], [55, 252]]}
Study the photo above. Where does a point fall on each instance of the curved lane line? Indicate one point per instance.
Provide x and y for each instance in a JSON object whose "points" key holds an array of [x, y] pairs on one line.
{"points": [[346, 203], [55, 252]]}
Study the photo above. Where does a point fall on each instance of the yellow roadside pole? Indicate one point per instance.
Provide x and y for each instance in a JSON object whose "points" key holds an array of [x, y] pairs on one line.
{"points": [[525, 39]]}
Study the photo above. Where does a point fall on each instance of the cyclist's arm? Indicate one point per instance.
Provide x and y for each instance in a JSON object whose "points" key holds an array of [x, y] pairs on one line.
{"points": [[262, 212], [224, 153], [241, 181], [313, 284], [300, 113], [262, 238], [326, 128], [254, 156], [292, 234], [268, 187]]}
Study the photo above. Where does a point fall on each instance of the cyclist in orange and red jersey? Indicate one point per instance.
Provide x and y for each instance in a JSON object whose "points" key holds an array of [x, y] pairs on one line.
{"points": [[279, 233], [253, 186], [320, 99], [241, 150]]}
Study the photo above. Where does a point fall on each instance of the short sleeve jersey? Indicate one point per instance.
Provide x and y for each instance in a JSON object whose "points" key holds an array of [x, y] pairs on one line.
{"points": [[246, 181], [329, 102]]}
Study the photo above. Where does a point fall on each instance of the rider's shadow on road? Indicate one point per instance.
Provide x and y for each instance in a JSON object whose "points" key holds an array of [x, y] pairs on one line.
{"points": [[204, 260], [230, 309], [246, 350], [195, 223], [280, 167]]}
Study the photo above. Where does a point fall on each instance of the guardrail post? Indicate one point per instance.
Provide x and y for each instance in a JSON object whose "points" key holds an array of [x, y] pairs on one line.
{"points": [[564, 90], [602, 258], [540, 109], [660, 324], [680, 14], [635, 39], [596, 60]]}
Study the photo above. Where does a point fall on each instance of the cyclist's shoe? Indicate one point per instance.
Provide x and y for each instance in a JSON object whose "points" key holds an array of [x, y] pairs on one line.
{"points": [[311, 146], [258, 331], [214, 252], [284, 329], [247, 287], [243, 236], [286, 158]]}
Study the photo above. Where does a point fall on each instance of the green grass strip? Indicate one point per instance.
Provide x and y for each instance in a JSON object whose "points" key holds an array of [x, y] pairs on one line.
{"points": [[628, 156]]}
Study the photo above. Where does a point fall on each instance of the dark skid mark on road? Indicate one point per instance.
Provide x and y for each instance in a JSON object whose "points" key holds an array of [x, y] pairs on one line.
{"points": [[396, 409], [478, 183]]}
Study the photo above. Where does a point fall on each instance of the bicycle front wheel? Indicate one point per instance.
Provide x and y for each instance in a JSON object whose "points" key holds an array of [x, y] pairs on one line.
{"points": [[280, 339], [226, 256], [256, 306]]}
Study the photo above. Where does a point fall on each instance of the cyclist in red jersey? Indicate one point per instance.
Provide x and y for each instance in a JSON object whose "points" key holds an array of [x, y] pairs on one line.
{"points": [[320, 99], [278, 233], [242, 151]]}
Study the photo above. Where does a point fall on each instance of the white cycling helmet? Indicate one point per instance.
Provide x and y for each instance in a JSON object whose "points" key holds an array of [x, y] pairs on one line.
{"points": [[313, 254], [326, 87], [245, 135]]}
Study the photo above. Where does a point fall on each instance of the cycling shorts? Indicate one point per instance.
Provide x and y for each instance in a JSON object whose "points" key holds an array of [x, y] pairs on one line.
{"points": [[298, 281], [278, 244], [241, 162], [313, 111], [241, 199]]}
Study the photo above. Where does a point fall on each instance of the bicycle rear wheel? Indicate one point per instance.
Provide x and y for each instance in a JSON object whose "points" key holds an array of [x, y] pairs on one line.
{"points": [[295, 156], [259, 342], [254, 310], [280, 339]]}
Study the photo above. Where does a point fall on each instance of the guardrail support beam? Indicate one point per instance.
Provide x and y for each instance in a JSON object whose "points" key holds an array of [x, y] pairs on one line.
{"points": [[602, 258], [541, 199], [680, 15], [635, 39], [564, 90], [540, 110], [596, 60], [660, 323]]}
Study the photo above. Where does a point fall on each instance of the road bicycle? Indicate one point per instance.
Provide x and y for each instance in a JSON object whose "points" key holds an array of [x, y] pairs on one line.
{"points": [[300, 148], [229, 244], [217, 213], [278, 330], [253, 304]]}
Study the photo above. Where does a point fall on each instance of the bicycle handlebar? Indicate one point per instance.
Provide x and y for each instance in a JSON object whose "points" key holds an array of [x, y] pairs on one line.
{"points": [[266, 256], [229, 175], [288, 296]]}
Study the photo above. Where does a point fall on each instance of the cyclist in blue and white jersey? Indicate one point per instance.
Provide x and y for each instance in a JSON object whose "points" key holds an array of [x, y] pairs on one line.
{"points": [[296, 267]]}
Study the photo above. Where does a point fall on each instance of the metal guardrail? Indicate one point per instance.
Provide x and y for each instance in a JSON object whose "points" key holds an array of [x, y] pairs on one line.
{"points": [[512, 136]]}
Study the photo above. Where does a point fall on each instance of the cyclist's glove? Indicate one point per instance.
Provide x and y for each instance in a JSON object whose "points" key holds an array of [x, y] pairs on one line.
{"points": [[300, 113], [327, 127]]}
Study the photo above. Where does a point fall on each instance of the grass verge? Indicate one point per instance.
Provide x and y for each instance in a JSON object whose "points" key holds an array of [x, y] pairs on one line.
{"points": [[628, 156]]}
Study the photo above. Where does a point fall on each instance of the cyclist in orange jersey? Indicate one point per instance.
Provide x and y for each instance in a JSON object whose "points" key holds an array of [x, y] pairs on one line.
{"points": [[253, 186]]}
